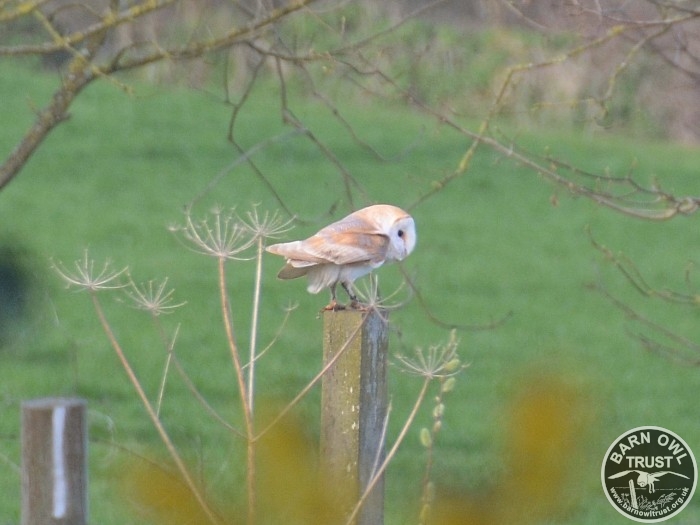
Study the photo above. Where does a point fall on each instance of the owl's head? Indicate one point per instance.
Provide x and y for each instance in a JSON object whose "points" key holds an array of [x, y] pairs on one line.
{"points": [[396, 224], [403, 238]]}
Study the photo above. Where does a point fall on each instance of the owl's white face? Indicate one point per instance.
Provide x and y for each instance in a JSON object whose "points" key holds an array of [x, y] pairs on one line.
{"points": [[349, 248], [402, 239]]}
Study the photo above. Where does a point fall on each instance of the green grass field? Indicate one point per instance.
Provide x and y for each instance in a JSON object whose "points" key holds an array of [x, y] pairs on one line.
{"points": [[118, 173]]}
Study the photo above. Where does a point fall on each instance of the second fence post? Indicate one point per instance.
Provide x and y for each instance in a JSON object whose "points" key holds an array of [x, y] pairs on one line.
{"points": [[54, 462], [354, 408]]}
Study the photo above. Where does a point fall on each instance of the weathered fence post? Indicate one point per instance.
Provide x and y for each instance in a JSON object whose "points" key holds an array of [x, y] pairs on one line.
{"points": [[54, 462], [354, 407]]}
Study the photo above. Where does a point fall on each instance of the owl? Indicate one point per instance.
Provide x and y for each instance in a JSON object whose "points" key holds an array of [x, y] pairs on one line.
{"points": [[348, 249]]}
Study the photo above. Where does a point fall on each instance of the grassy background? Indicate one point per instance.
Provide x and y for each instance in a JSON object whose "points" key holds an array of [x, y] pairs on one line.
{"points": [[115, 175]]}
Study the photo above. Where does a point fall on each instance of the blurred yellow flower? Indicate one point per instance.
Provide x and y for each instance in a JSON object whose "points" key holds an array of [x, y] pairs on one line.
{"points": [[288, 488], [546, 431]]}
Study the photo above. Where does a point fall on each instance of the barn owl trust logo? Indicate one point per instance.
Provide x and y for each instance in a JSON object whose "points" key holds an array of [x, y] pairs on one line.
{"points": [[649, 474]]}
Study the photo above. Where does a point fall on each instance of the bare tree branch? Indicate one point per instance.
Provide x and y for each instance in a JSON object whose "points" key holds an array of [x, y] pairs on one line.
{"points": [[664, 341], [83, 69], [78, 77]]}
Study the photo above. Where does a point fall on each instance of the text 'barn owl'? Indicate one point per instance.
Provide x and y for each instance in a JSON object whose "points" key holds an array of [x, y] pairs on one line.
{"points": [[348, 249]]}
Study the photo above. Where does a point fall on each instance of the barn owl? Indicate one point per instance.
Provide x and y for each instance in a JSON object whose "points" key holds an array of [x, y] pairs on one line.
{"points": [[348, 249]]}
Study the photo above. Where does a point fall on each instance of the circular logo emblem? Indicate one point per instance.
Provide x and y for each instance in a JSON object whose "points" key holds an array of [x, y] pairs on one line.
{"points": [[649, 474]]}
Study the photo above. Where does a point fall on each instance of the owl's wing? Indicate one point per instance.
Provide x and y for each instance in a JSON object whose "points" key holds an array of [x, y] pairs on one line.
{"points": [[347, 247], [294, 251], [337, 247]]}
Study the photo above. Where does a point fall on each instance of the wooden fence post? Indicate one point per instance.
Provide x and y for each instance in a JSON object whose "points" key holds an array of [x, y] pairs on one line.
{"points": [[54, 462], [354, 407]]}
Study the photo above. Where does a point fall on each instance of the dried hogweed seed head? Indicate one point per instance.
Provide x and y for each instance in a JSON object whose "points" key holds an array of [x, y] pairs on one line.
{"points": [[222, 235], [153, 297], [85, 276], [266, 225]]}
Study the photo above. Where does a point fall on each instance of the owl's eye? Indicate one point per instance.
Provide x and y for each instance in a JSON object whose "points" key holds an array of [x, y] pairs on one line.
{"points": [[400, 233]]}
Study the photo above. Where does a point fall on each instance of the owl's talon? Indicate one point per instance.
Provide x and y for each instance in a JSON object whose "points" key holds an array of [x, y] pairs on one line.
{"points": [[334, 306], [357, 305]]}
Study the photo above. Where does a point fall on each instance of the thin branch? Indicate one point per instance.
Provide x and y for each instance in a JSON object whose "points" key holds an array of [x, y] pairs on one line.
{"points": [[202, 400], [109, 21], [46, 120], [624, 64], [202, 47], [433, 318], [634, 277], [9, 15], [275, 337], [360, 44], [82, 70], [683, 350], [288, 117], [247, 154]]}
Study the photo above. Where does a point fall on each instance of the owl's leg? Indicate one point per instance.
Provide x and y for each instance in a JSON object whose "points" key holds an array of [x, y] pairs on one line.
{"points": [[333, 305], [354, 303]]}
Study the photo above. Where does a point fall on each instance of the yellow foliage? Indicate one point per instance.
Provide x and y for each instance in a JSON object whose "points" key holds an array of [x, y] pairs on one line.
{"points": [[546, 432], [288, 488], [162, 496]]}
